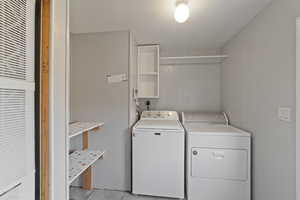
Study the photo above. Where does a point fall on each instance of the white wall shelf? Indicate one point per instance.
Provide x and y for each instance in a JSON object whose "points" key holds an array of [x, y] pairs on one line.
{"points": [[193, 60], [79, 161], [148, 71], [78, 128], [148, 97]]}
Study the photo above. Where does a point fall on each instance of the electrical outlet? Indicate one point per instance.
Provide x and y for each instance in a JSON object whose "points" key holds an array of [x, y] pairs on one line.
{"points": [[117, 78], [284, 114]]}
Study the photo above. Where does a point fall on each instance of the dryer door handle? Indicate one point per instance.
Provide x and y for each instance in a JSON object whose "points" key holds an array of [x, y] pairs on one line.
{"points": [[219, 155]]}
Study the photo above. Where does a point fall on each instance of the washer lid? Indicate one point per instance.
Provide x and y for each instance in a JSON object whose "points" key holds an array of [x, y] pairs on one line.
{"points": [[159, 124], [204, 117], [214, 130]]}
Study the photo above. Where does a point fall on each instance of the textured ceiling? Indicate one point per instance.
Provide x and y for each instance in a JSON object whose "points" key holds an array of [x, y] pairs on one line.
{"points": [[211, 24]]}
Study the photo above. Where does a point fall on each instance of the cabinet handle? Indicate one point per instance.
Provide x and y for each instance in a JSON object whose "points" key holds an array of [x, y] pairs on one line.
{"points": [[157, 133], [9, 190]]}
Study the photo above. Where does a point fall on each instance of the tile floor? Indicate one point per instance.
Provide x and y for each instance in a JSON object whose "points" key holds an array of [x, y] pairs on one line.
{"points": [[79, 194]]}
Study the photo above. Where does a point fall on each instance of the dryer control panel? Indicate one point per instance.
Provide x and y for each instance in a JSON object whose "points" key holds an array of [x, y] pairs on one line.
{"points": [[160, 115]]}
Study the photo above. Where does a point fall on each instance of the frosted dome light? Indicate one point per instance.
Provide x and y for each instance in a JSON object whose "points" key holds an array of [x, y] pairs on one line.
{"points": [[182, 12]]}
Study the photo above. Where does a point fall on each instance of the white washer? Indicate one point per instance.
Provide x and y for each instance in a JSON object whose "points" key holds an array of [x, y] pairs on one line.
{"points": [[218, 158], [158, 155]]}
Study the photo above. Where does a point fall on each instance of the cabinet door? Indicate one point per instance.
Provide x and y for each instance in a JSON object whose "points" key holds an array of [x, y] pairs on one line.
{"points": [[13, 194], [148, 71], [16, 90]]}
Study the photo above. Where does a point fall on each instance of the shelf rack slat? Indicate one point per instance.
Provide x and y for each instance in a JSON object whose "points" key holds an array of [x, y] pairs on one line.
{"points": [[79, 161], [79, 128]]}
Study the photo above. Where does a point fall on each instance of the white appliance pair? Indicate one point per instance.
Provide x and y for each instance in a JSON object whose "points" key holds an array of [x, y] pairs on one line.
{"points": [[218, 157]]}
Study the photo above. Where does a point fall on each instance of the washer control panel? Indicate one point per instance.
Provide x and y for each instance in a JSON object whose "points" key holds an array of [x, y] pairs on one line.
{"points": [[160, 115]]}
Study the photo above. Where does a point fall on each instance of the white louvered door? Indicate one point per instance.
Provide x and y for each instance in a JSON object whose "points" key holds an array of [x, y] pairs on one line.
{"points": [[16, 92]]}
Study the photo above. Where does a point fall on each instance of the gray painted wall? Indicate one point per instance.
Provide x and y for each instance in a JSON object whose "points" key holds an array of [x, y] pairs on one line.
{"points": [[189, 87], [93, 56], [259, 77]]}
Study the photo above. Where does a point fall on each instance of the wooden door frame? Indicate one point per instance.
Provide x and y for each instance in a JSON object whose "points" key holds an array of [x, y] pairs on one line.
{"points": [[45, 53], [54, 97]]}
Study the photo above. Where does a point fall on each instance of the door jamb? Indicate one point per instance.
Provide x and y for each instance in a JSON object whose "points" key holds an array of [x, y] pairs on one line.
{"points": [[54, 99], [298, 108], [59, 105], [37, 116]]}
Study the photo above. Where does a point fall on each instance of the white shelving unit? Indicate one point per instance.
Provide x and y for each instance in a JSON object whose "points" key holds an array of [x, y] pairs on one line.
{"points": [[80, 161], [193, 59], [148, 71]]}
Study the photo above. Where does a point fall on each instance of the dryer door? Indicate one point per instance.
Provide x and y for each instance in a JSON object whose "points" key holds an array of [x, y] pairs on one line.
{"points": [[214, 163]]}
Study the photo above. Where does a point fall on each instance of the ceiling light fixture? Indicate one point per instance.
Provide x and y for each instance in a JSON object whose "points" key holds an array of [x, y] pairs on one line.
{"points": [[182, 12]]}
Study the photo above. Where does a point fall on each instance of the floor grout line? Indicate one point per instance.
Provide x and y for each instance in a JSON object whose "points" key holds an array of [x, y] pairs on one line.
{"points": [[90, 195], [100, 194]]}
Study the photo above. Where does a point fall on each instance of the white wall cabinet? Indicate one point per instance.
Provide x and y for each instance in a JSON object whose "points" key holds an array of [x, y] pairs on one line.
{"points": [[148, 71]]}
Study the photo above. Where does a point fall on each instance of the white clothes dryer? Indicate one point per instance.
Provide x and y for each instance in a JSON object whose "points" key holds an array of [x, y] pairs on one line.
{"points": [[218, 158]]}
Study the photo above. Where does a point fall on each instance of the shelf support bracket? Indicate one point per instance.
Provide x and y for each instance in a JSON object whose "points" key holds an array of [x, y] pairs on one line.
{"points": [[87, 175]]}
